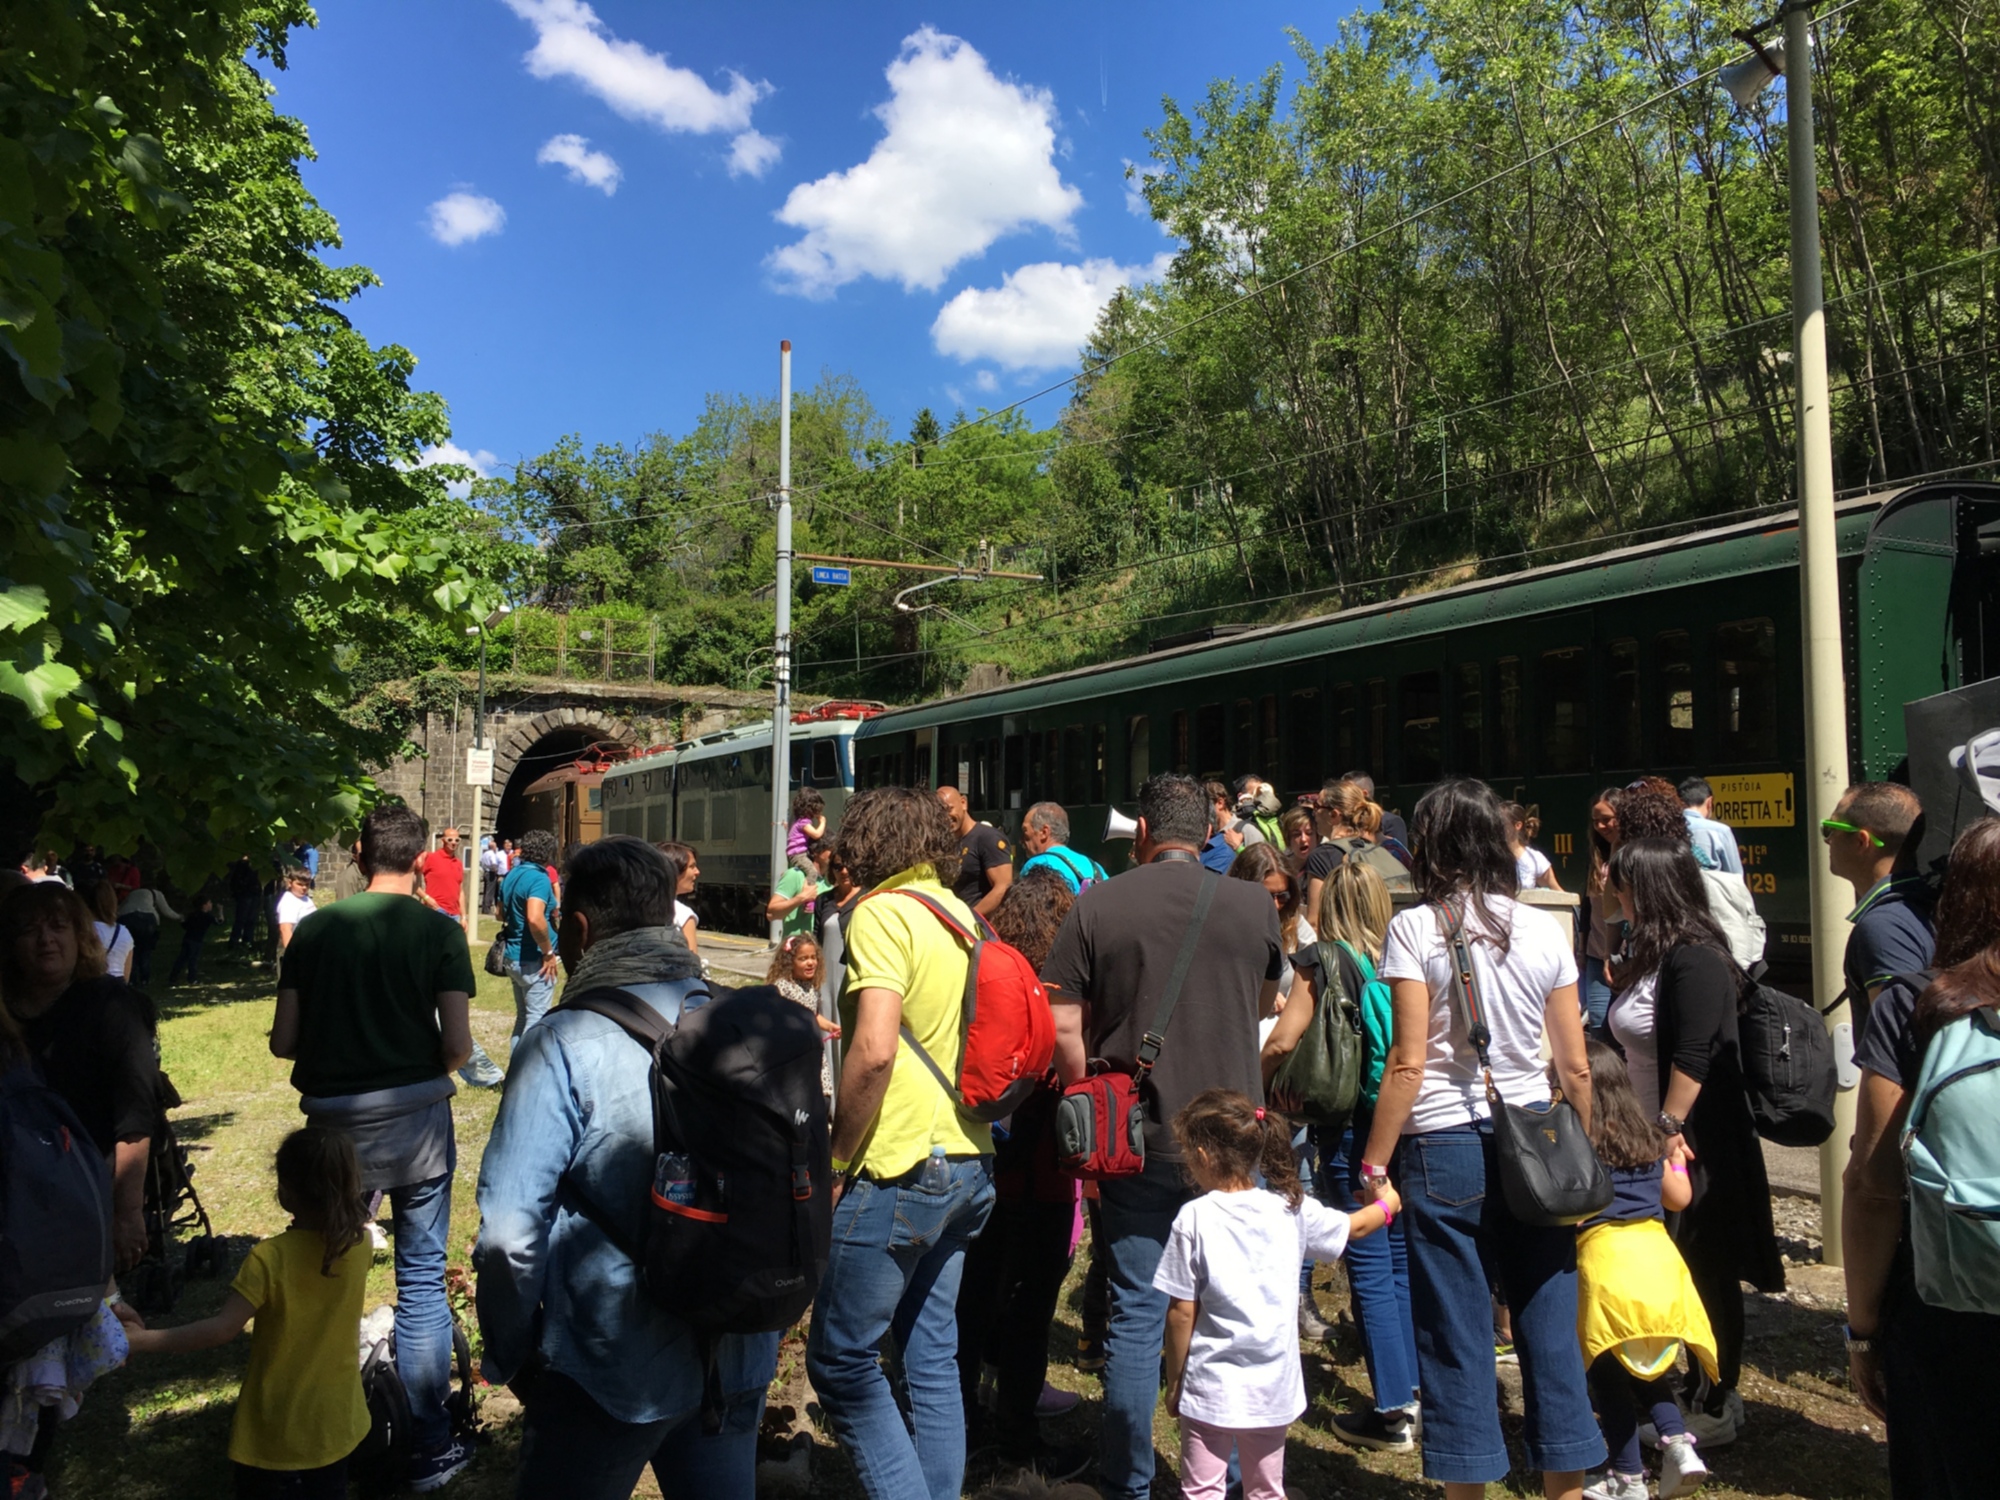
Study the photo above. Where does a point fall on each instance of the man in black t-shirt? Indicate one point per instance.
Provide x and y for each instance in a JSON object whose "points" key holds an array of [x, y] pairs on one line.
{"points": [[986, 867], [1106, 974]]}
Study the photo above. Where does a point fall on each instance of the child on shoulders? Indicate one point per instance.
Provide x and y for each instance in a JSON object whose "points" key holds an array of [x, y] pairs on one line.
{"points": [[808, 826], [1231, 1270]]}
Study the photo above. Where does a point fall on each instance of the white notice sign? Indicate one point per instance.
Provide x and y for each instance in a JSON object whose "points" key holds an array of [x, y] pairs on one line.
{"points": [[479, 767]]}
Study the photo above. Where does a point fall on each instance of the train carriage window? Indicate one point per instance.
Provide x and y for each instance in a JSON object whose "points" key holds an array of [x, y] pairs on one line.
{"points": [[1422, 695], [1038, 786], [1507, 757], [1139, 751], [1302, 768], [921, 764], [1268, 761], [1675, 650], [722, 819], [694, 820], [656, 821], [1243, 746], [1181, 751], [1469, 746], [1076, 772], [1378, 729], [1099, 793], [1565, 711], [1746, 690], [595, 799], [1211, 754], [825, 763], [1345, 745], [1016, 758], [1054, 765], [1622, 711]]}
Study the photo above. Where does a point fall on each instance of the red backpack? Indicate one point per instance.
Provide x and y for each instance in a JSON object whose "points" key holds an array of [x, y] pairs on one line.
{"points": [[1008, 1036]]}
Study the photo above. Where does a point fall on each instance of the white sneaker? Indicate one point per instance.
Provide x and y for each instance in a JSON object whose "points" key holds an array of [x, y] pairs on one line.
{"points": [[1609, 1484], [1681, 1468]]}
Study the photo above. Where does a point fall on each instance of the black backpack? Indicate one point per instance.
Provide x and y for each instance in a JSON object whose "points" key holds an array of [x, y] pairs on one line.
{"points": [[55, 1217], [382, 1459], [1788, 1068], [736, 1089]]}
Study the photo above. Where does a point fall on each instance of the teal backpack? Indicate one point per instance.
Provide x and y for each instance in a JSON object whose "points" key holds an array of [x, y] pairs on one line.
{"points": [[1951, 1150], [1378, 1019]]}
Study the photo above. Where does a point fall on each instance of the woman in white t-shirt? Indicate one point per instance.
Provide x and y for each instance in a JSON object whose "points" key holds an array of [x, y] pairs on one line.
{"points": [[1531, 867], [1233, 1376], [1433, 1134], [686, 873], [116, 938]]}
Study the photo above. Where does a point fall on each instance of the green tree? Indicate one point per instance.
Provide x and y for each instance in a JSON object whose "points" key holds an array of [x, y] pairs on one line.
{"points": [[210, 505]]}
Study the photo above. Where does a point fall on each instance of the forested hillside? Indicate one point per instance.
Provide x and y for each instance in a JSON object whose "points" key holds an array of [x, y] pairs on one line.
{"points": [[1470, 288]]}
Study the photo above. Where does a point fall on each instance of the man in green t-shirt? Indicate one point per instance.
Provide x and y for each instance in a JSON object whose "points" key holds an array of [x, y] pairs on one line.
{"points": [[373, 1000], [795, 898]]}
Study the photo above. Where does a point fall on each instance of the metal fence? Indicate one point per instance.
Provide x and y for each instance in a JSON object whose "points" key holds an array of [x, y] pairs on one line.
{"points": [[583, 648]]}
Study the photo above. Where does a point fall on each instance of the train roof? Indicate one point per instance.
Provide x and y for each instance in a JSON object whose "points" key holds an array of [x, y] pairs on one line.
{"points": [[1763, 542], [807, 725]]}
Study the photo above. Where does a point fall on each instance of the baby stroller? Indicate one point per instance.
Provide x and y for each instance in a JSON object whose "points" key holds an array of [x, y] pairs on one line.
{"points": [[173, 1209]]}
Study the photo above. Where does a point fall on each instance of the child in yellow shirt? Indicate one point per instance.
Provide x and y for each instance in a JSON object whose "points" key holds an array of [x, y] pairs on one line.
{"points": [[301, 1411]]}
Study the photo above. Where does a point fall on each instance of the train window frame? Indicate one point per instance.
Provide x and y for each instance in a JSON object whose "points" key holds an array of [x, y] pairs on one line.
{"points": [[824, 750], [1378, 730], [1305, 767], [1100, 771], [1346, 743], [1624, 709], [1075, 767], [1673, 665], [1732, 742], [1138, 752], [1509, 743], [1420, 737], [1014, 768], [1270, 761], [1468, 717], [1037, 789], [1243, 732], [1180, 750], [1211, 733], [1566, 748]]}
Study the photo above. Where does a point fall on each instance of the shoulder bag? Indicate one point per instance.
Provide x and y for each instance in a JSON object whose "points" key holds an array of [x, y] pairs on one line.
{"points": [[1550, 1174], [1101, 1121], [1322, 1074]]}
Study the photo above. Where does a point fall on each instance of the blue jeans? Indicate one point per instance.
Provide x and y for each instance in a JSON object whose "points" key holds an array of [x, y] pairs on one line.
{"points": [[1136, 1212], [1596, 993], [533, 995], [898, 1253], [1378, 1274], [571, 1446], [420, 1215], [1463, 1240]]}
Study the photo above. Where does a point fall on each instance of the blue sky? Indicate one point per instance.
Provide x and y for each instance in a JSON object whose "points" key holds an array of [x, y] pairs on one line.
{"points": [[588, 216]]}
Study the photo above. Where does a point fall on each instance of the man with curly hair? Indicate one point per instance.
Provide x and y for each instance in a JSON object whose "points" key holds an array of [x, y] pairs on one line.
{"points": [[913, 1175]]}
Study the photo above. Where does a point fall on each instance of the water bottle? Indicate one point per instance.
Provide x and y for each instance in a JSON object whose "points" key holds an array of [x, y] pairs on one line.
{"points": [[673, 1178]]}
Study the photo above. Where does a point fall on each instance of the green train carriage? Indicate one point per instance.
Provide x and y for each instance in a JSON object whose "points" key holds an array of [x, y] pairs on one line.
{"points": [[1675, 658]]}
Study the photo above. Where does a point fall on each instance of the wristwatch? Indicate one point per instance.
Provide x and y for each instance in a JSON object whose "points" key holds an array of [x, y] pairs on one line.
{"points": [[1374, 1174], [1855, 1343], [1671, 1124]]}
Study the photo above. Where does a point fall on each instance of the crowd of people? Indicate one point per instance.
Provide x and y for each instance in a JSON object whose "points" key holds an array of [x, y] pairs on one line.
{"points": [[1197, 973]]}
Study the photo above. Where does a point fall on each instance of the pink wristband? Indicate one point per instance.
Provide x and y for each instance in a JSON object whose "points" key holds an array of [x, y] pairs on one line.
{"points": [[1388, 1213], [1674, 1166]]}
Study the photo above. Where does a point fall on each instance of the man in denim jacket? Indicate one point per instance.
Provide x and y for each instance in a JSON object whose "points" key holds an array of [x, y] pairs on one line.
{"points": [[610, 1380]]}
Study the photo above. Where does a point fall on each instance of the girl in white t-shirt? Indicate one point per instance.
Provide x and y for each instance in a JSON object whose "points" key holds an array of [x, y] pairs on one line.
{"points": [[1531, 867], [1230, 1268]]}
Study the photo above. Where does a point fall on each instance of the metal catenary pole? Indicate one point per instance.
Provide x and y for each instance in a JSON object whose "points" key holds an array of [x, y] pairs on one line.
{"points": [[781, 695], [473, 872], [1819, 586]]}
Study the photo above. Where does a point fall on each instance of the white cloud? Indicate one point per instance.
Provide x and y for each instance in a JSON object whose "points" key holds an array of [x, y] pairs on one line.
{"points": [[640, 84], [462, 216], [964, 159], [591, 168], [1039, 316], [483, 463], [986, 380], [752, 154]]}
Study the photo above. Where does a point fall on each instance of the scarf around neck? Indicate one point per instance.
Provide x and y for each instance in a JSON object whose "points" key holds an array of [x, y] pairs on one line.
{"points": [[642, 955]]}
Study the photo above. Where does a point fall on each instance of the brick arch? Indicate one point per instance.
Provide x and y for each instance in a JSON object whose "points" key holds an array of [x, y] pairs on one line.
{"points": [[519, 738]]}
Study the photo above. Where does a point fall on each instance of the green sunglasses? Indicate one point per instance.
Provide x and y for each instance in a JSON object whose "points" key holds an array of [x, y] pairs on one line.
{"points": [[1828, 827]]}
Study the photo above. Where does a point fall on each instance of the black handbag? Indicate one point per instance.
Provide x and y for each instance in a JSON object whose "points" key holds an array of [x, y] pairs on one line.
{"points": [[1550, 1174]]}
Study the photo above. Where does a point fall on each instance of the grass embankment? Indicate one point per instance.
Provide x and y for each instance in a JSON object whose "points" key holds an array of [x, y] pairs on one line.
{"points": [[159, 1429]]}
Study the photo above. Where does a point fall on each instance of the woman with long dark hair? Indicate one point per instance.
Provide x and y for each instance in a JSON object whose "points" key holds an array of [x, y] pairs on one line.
{"points": [[1272, 869], [1603, 907], [1433, 1127], [1674, 1017], [1922, 1368]]}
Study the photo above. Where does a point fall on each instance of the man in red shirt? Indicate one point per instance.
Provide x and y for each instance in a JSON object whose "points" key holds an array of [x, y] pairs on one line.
{"points": [[441, 877]]}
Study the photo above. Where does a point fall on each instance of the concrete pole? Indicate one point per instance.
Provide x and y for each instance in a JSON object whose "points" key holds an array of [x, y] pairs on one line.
{"points": [[473, 873], [781, 654], [1819, 591]]}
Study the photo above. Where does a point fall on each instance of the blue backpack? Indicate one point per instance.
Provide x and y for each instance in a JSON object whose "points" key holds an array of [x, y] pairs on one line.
{"points": [[1951, 1150], [55, 1217]]}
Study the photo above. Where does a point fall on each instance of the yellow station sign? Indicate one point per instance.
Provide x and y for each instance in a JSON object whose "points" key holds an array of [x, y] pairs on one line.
{"points": [[1762, 801]]}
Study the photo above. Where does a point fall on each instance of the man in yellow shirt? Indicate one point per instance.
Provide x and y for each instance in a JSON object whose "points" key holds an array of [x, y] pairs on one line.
{"points": [[913, 1174]]}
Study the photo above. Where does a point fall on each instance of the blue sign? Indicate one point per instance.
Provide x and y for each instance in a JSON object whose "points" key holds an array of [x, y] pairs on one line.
{"points": [[833, 575]]}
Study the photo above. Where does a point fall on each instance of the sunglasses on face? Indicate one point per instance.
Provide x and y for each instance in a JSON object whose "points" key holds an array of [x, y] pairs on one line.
{"points": [[1828, 827]]}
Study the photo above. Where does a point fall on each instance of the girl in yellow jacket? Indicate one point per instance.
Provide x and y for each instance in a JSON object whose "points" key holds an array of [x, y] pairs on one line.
{"points": [[1636, 1305]]}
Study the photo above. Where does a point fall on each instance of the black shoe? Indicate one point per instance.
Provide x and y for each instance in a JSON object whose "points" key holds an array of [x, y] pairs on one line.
{"points": [[1052, 1463], [1090, 1355], [1385, 1432]]}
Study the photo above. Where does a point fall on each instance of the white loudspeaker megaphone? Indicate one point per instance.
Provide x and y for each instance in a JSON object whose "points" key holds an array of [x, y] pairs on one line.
{"points": [[1118, 826], [1745, 80]]}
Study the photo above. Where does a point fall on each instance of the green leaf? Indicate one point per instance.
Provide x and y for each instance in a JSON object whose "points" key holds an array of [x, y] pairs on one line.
{"points": [[40, 688], [22, 605]]}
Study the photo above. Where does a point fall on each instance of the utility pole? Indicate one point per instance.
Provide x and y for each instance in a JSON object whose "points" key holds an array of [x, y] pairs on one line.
{"points": [[1819, 591], [478, 783], [781, 655]]}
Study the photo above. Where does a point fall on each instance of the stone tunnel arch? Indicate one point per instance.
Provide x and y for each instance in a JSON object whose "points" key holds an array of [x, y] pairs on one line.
{"points": [[525, 752]]}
